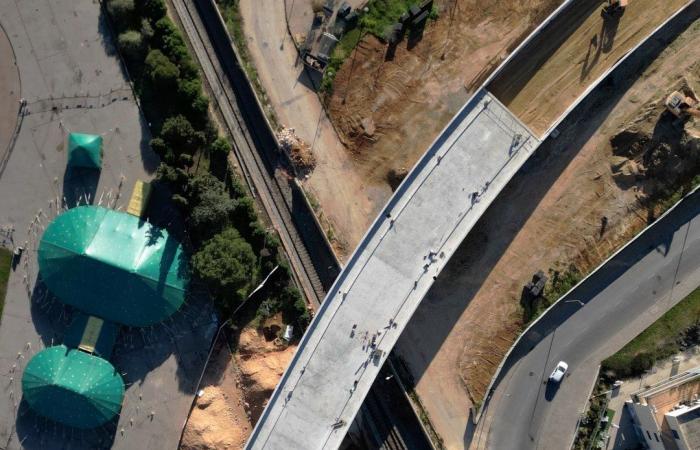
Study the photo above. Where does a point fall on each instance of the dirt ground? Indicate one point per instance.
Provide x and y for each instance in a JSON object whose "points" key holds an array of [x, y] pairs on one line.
{"points": [[554, 70], [9, 95], [388, 112], [346, 208], [550, 214], [236, 389]]}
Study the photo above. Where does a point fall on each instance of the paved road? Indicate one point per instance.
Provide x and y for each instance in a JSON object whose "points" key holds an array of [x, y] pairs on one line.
{"points": [[623, 298]]}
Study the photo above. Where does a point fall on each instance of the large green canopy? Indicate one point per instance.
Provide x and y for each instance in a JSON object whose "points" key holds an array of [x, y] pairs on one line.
{"points": [[72, 387], [85, 150], [113, 265]]}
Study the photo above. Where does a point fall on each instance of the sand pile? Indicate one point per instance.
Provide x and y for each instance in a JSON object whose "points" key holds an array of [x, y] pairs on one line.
{"points": [[237, 389], [214, 424], [261, 362]]}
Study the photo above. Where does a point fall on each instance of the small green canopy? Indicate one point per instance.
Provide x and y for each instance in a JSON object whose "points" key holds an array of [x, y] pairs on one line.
{"points": [[113, 265], [85, 150], [72, 387]]}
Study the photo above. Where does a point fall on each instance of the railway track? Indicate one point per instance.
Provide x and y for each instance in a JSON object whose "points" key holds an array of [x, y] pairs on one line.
{"points": [[267, 182], [284, 204]]}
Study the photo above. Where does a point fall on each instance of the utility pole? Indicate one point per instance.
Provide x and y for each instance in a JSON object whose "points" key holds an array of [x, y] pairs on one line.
{"points": [[449, 28], [354, 55]]}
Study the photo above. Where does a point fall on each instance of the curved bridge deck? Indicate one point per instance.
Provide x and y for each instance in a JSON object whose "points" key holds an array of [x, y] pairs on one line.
{"points": [[396, 263], [390, 273]]}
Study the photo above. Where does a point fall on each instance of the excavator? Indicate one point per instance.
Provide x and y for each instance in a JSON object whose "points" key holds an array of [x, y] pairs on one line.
{"points": [[682, 105], [614, 8]]}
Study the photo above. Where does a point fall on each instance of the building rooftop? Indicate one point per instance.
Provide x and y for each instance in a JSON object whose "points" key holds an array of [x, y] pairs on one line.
{"points": [[113, 265], [666, 395], [72, 387], [689, 420]]}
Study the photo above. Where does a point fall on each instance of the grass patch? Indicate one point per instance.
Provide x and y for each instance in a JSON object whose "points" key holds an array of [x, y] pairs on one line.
{"points": [[383, 14], [5, 264], [663, 338], [378, 20], [560, 282]]}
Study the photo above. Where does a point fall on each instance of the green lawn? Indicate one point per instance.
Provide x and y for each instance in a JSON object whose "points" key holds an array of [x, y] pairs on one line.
{"points": [[5, 263], [658, 341]]}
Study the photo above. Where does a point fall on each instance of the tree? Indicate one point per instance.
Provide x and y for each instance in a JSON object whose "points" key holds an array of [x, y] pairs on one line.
{"points": [[162, 72], [168, 38], [219, 151], [179, 134], [212, 207], [154, 9], [131, 44], [227, 264]]}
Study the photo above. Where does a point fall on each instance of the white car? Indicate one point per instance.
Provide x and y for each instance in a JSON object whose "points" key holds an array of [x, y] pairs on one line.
{"points": [[559, 372]]}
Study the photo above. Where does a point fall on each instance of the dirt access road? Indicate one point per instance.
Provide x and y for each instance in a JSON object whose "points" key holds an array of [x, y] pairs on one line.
{"points": [[549, 214], [555, 69], [334, 184]]}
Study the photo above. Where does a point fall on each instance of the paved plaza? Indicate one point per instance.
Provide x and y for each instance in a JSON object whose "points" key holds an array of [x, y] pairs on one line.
{"points": [[72, 81]]}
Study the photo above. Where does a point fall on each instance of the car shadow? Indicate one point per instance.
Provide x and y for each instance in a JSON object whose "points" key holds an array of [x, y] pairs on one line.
{"points": [[551, 389], [466, 272]]}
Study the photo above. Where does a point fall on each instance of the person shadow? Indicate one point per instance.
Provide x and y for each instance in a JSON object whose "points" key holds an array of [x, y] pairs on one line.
{"points": [[602, 42]]}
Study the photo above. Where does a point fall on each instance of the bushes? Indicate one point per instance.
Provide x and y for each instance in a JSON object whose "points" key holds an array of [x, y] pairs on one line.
{"points": [[131, 44], [231, 248]]}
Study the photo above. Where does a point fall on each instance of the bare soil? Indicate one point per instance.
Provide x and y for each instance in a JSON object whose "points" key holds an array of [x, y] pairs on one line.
{"points": [[555, 69], [549, 216], [388, 110], [237, 388]]}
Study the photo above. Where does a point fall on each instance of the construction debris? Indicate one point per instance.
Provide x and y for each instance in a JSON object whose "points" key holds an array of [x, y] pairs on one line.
{"points": [[298, 150]]}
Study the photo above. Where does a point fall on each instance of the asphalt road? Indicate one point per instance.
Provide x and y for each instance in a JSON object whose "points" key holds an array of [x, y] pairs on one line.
{"points": [[598, 318]]}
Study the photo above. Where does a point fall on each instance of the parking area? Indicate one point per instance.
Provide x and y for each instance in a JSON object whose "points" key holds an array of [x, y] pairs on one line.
{"points": [[72, 81]]}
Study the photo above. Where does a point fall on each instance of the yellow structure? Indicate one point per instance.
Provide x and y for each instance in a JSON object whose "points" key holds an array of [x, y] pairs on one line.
{"points": [[91, 334], [139, 198]]}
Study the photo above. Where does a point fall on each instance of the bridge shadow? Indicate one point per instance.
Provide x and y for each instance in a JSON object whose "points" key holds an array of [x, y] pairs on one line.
{"points": [[465, 274], [520, 70]]}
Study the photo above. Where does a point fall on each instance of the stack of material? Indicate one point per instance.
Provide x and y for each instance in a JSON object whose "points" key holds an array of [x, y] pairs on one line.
{"points": [[298, 150]]}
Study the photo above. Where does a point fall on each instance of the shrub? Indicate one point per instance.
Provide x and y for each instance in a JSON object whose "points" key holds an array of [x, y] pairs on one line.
{"points": [[131, 44], [122, 11]]}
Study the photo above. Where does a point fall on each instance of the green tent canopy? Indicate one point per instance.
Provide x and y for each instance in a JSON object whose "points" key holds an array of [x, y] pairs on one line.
{"points": [[113, 265], [72, 387], [84, 150]]}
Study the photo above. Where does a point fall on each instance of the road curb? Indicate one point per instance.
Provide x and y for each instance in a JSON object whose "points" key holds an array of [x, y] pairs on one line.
{"points": [[595, 85], [646, 230]]}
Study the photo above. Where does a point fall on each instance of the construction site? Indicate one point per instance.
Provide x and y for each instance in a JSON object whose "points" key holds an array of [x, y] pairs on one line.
{"points": [[608, 169]]}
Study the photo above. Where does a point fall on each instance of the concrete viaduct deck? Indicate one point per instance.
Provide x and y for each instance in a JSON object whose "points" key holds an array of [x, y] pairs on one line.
{"points": [[395, 265], [390, 273]]}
